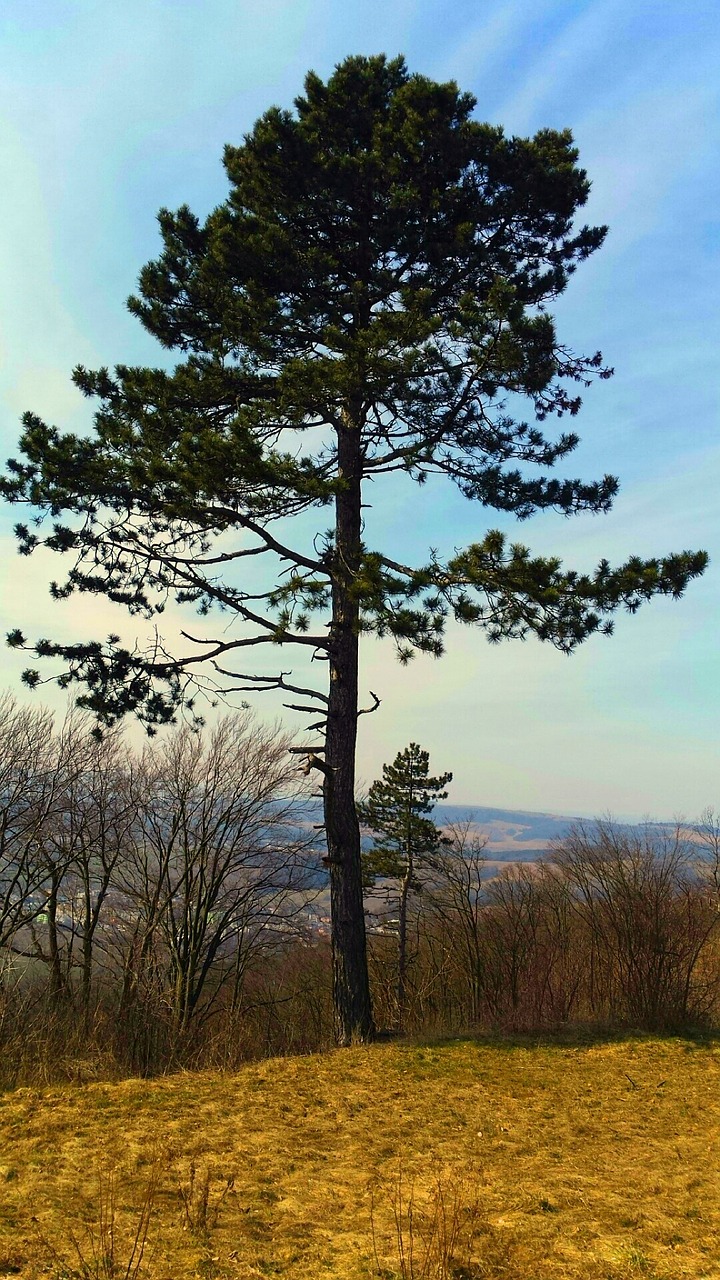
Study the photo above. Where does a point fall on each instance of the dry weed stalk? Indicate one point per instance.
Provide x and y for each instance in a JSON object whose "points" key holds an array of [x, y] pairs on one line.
{"points": [[200, 1211], [435, 1238], [104, 1251]]}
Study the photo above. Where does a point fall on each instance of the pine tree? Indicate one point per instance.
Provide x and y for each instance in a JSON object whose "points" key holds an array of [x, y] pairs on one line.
{"points": [[404, 837], [371, 298]]}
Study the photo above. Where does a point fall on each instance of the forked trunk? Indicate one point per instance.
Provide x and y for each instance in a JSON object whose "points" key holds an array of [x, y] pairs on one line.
{"points": [[351, 987]]}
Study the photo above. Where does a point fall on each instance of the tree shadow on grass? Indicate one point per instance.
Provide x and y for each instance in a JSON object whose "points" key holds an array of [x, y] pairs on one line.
{"points": [[582, 1036]]}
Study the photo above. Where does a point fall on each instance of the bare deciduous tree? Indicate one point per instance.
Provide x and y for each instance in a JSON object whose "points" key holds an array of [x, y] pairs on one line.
{"points": [[28, 793], [648, 917], [455, 897], [216, 859]]}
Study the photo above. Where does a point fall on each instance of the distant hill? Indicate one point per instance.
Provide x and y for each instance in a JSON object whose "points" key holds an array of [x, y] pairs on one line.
{"points": [[514, 835]]}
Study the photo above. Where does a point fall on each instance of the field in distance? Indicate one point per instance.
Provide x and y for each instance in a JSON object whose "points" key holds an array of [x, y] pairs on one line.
{"points": [[593, 1159]]}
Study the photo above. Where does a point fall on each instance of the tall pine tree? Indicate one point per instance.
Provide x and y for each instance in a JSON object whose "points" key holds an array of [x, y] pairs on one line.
{"points": [[371, 298], [404, 837]]}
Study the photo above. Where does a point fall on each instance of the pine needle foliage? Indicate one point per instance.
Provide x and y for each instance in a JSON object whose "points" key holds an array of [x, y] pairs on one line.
{"points": [[396, 813], [404, 837]]}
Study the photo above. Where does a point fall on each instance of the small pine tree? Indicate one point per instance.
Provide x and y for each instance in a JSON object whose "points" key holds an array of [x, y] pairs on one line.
{"points": [[396, 812]]}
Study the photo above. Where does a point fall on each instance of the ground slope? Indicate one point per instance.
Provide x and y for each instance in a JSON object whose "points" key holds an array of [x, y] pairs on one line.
{"points": [[596, 1160]]}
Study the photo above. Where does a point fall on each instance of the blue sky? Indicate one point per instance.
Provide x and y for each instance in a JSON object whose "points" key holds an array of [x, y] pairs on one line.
{"points": [[110, 111]]}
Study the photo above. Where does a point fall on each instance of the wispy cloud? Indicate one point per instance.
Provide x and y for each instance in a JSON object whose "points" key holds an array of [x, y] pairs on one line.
{"points": [[550, 68]]}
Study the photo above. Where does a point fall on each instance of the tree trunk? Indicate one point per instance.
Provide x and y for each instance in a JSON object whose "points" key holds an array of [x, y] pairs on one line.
{"points": [[403, 912], [351, 987], [57, 982], [405, 889], [87, 955]]}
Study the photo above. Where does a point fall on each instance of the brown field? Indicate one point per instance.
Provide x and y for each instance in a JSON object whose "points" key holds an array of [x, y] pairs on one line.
{"points": [[533, 1161]]}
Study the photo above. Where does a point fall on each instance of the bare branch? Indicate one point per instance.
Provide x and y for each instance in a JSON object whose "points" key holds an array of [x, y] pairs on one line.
{"points": [[263, 683], [367, 711]]}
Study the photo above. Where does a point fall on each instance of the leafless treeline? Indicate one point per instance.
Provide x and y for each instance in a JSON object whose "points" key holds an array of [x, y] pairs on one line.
{"points": [[614, 927], [154, 912], [142, 891]]}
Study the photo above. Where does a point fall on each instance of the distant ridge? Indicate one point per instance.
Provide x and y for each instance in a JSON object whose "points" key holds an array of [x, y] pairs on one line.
{"points": [[514, 835]]}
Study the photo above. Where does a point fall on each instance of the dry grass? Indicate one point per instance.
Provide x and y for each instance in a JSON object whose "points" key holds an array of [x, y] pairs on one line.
{"points": [[596, 1161]]}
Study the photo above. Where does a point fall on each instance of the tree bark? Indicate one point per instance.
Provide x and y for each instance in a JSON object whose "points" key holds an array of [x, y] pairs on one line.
{"points": [[405, 889], [351, 988], [87, 949], [57, 981]]}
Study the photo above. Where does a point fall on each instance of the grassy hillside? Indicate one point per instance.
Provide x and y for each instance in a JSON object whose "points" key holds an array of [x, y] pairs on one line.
{"points": [[596, 1160]]}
